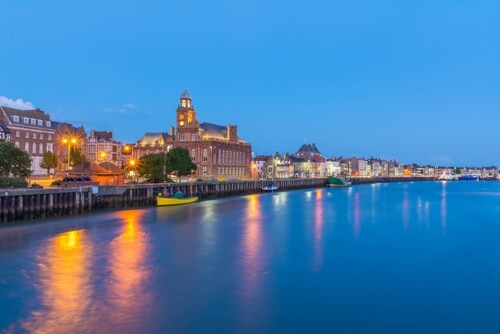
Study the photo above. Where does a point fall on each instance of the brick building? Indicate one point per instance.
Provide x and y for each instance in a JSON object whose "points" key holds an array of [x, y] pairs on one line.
{"points": [[217, 150], [31, 131], [101, 147], [67, 137]]}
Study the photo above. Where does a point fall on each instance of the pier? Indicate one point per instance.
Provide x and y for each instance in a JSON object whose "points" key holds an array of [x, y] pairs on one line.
{"points": [[17, 204]]}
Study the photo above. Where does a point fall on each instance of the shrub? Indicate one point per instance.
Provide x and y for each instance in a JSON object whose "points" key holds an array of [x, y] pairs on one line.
{"points": [[7, 182], [36, 185], [56, 183]]}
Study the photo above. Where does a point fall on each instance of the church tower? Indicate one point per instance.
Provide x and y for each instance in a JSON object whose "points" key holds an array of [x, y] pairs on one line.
{"points": [[187, 124]]}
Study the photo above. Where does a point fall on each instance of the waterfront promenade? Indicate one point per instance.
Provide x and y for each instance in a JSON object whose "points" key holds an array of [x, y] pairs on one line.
{"points": [[33, 203]]}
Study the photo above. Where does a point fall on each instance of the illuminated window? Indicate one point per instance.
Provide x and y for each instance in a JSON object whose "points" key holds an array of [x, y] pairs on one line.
{"points": [[204, 170], [183, 103]]}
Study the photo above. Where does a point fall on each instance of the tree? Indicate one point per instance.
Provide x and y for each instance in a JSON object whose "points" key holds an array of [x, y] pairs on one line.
{"points": [[76, 156], [180, 162], [49, 160], [13, 161], [153, 168]]}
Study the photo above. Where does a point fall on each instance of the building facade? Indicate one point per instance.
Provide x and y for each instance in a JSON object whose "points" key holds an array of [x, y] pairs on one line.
{"points": [[66, 138], [30, 131], [101, 147]]}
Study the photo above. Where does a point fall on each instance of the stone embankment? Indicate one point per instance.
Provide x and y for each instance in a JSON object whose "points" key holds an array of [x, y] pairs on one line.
{"points": [[33, 203]]}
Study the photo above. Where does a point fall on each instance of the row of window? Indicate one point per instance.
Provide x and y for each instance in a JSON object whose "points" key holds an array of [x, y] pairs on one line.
{"points": [[231, 157], [33, 135], [99, 148], [31, 121], [34, 147], [231, 171], [183, 138]]}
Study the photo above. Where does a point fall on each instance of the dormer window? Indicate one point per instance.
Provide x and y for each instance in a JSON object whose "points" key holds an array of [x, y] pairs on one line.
{"points": [[47, 123], [26, 120], [15, 118], [40, 122], [33, 121]]}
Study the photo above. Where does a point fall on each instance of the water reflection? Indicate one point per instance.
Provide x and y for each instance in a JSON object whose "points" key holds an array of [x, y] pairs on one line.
{"points": [[318, 230], [357, 213], [443, 206], [406, 207], [252, 246], [129, 273], [64, 288]]}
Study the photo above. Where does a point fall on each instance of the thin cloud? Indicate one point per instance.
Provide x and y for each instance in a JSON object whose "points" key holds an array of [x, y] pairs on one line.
{"points": [[148, 113], [17, 104], [129, 106], [122, 109]]}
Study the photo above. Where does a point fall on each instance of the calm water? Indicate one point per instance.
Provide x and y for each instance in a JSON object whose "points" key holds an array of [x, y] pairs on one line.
{"points": [[385, 258]]}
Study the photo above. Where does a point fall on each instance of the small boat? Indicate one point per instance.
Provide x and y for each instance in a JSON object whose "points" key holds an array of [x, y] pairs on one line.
{"points": [[176, 199], [338, 182], [468, 177], [446, 177], [271, 187]]}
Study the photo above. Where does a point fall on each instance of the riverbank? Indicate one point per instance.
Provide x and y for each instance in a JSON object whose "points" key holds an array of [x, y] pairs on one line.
{"points": [[33, 203]]}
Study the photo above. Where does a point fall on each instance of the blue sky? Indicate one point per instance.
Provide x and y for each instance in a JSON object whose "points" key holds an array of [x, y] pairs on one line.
{"points": [[416, 81]]}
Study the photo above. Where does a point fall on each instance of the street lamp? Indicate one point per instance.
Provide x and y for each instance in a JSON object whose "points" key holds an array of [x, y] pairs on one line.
{"points": [[69, 141]]}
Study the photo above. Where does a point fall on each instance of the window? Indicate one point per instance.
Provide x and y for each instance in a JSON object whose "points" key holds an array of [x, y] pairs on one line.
{"points": [[193, 154], [193, 137], [26, 120], [47, 123], [33, 121], [17, 144], [15, 118], [18, 134], [34, 135], [204, 170], [41, 135], [27, 135], [50, 137], [27, 147], [181, 137], [33, 150], [40, 148], [205, 155], [49, 147], [40, 123]]}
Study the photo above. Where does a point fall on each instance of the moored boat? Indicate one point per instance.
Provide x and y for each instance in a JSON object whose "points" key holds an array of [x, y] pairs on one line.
{"points": [[271, 187], [177, 199], [337, 182], [468, 177], [446, 177]]}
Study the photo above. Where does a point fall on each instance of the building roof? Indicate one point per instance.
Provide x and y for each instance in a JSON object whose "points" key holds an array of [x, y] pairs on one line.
{"points": [[185, 95], [91, 168], [215, 131], [153, 139], [4, 128], [102, 135], [309, 148]]}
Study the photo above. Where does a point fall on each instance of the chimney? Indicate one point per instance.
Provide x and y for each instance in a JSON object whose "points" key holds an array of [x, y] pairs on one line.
{"points": [[228, 131], [172, 131]]}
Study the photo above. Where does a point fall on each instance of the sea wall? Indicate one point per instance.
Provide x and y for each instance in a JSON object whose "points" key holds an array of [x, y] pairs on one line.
{"points": [[33, 203]]}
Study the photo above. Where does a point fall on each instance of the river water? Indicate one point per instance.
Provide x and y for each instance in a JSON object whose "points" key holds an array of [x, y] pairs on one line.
{"points": [[419, 257]]}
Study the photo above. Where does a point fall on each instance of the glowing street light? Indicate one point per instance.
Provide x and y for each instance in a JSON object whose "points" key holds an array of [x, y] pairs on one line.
{"points": [[69, 141]]}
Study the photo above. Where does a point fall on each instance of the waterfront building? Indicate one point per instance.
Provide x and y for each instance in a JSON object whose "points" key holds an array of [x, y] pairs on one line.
{"points": [[258, 166], [67, 137], [31, 131], [101, 147], [217, 150]]}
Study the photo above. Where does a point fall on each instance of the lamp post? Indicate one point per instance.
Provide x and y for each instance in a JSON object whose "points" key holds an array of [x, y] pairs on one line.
{"points": [[69, 141]]}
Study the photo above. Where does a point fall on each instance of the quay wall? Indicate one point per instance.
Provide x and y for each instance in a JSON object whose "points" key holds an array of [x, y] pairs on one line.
{"points": [[18, 204]]}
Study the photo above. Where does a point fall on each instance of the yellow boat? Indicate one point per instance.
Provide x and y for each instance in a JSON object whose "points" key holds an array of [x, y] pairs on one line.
{"points": [[161, 201]]}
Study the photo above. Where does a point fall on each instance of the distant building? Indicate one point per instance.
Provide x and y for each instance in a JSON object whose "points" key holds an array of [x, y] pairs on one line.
{"points": [[308, 151], [31, 131], [217, 150], [4, 132], [101, 147], [64, 134]]}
